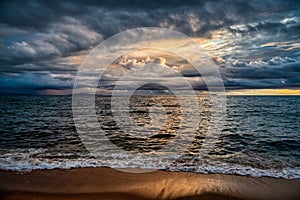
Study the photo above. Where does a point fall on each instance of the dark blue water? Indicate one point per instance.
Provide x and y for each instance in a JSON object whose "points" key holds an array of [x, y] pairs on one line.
{"points": [[260, 135]]}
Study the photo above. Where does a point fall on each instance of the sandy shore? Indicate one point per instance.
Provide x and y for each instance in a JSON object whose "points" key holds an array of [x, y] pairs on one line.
{"points": [[107, 183]]}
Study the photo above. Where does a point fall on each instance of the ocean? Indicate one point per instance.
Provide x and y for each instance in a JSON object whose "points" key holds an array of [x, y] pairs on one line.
{"points": [[259, 135]]}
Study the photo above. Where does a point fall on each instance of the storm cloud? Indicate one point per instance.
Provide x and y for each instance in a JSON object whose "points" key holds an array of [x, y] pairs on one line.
{"points": [[257, 43]]}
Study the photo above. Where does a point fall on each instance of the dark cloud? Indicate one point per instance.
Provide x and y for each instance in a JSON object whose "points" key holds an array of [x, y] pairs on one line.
{"points": [[109, 17], [273, 73], [32, 83], [276, 68], [39, 36]]}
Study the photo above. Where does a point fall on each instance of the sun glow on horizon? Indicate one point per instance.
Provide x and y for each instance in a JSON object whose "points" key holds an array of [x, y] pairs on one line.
{"points": [[266, 92]]}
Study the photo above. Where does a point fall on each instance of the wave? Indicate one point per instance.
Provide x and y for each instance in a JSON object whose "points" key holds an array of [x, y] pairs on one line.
{"points": [[27, 161]]}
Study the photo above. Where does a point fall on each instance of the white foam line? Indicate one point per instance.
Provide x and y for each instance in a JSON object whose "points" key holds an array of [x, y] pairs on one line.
{"points": [[26, 162]]}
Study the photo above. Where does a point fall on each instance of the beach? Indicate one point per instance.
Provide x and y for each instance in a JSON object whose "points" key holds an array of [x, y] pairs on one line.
{"points": [[108, 183]]}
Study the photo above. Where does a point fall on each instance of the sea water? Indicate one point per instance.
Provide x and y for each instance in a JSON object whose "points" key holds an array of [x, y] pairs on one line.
{"points": [[258, 135]]}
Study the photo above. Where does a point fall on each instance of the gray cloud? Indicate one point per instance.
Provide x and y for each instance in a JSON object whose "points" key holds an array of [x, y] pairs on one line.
{"points": [[65, 37], [39, 36], [32, 83], [271, 73]]}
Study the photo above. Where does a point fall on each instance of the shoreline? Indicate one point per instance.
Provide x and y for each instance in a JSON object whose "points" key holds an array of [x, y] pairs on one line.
{"points": [[108, 183]]}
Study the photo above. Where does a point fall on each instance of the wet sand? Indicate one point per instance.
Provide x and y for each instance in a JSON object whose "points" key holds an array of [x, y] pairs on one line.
{"points": [[107, 183]]}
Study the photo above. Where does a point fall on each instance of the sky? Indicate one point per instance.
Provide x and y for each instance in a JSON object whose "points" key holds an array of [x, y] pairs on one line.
{"points": [[255, 44]]}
